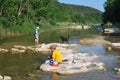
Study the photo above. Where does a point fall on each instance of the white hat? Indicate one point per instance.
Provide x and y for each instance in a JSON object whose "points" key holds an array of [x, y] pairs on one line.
{"points": [[37, 27]]}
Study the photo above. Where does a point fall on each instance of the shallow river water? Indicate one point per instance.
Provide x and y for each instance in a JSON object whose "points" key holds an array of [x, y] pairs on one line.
{"points": [[25, 66]]}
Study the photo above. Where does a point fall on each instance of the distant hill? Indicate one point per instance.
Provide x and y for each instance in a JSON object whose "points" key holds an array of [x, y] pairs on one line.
{"points": [[82, 14]]}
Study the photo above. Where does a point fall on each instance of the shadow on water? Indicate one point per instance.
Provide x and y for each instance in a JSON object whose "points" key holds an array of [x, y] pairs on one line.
{"points": [[25, 66]]}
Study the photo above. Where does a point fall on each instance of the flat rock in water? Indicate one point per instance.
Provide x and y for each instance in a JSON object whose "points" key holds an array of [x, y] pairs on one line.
{"points": [[79, 63], [94, 41]]}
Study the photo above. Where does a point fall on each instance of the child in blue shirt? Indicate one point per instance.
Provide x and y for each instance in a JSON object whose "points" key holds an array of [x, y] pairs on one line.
{"points": [[36, 35]]}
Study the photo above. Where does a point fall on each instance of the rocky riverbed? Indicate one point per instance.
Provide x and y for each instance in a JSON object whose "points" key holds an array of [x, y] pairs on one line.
{"points": [[41, 48], [75, 63]]}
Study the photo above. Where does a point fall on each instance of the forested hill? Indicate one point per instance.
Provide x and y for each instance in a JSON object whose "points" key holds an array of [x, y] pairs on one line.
{"points": [[82, 14], [24, 15]]}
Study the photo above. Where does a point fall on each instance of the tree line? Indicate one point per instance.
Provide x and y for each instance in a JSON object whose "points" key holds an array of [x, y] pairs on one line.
{"points": [[23, 15], [112, 12]]}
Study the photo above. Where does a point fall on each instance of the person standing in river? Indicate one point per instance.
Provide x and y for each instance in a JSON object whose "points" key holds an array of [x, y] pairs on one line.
{"points": [[36, 35]]}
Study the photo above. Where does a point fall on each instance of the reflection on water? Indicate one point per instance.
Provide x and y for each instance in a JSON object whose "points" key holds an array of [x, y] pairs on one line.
{"points": [[54, 76], [18, 65]]}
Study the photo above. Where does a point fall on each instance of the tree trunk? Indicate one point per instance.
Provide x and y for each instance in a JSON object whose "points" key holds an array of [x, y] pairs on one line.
{"points": [[1, 7], [19, 9]]}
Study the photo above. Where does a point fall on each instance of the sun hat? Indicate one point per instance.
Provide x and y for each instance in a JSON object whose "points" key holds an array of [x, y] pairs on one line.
{"points": [[37, 27]]}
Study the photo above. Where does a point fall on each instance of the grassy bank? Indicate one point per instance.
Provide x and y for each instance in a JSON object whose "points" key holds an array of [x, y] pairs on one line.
{"points": [[27, 29]]}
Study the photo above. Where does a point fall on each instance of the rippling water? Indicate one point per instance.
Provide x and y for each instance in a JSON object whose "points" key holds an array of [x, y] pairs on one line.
{"points": [[25, 66]]}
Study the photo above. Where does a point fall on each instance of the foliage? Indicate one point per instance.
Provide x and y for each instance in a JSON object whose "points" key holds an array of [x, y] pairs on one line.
{"points": [[81, 14], [24, 15], [112, 11], [108, 25]]}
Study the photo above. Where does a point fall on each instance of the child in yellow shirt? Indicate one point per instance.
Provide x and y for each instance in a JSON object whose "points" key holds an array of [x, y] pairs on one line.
{"points": [[56, 55]]}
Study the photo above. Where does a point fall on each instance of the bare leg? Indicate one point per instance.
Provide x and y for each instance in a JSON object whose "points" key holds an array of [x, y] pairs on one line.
{"points": [[37, 40]]}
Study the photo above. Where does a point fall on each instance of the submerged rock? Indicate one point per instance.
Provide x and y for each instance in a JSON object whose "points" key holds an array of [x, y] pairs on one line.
{"points": [[15, 50], [94, 41], [41, 48], [3, 50], [117, 71]]}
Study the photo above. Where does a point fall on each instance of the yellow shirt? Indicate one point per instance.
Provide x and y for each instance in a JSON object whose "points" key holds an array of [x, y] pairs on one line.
{"points": [[57, 56]]}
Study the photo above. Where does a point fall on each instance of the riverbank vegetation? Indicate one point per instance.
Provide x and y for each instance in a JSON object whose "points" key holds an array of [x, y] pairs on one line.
{"points": [[112, 12], [19, 17]]}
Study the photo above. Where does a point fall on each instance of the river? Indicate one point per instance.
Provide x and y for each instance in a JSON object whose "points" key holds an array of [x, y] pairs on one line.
{"points": [[25, 66]]}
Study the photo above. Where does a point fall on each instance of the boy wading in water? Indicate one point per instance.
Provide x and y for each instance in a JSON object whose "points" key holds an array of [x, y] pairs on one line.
{"points": [[36, 35]]}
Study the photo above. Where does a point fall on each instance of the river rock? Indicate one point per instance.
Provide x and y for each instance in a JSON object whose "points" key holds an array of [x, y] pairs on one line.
{"points": [[44, 48], [3, 50], [94, 41], [5, 77], [117, 71], [15, 50], [1, 78], [115, 45], [75, 63], [109, 48], [112, 46], [41, 48], [20, 47]]}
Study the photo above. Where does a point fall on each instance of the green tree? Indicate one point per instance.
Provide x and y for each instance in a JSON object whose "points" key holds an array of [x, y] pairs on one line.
{"points": [[112, 11], [20, 15]]}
